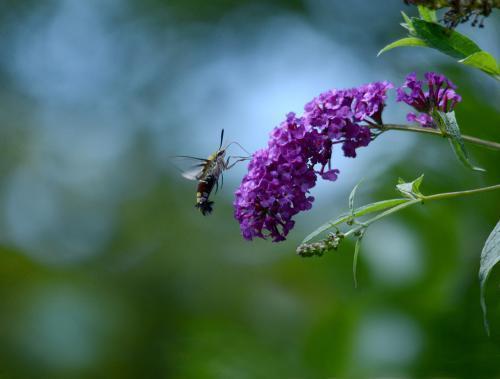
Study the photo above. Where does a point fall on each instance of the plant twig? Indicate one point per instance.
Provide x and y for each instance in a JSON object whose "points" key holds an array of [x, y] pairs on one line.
{"points": [[421, 199], [418, 129], [361, 227], [447, 195]]}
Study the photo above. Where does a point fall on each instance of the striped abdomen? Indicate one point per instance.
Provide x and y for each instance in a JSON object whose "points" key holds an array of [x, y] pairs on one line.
{"points": [[205, 187]]}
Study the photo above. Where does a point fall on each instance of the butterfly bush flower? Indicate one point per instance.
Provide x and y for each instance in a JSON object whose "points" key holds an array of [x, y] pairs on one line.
{"points": [[299, 150], [339, 114], [440, 95]]}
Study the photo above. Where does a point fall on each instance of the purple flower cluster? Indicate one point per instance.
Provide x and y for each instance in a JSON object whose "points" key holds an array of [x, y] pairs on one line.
{"points": [[277, 183], [440, 95], [338, 114], [280, 176]]}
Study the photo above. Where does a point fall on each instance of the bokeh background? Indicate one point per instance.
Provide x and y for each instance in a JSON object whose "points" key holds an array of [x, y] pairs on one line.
{"points": [[108, 271]]}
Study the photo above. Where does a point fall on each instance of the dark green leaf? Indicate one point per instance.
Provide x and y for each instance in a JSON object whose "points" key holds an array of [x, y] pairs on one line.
{"points": [[361, 211], [426, 32], [427, 14], [447, 123], [483, 61], [409, 41], [445, 40], [490, 256]]}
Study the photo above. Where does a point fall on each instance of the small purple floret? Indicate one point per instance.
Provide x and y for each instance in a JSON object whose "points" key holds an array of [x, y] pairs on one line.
{"points": [[440, 95]]}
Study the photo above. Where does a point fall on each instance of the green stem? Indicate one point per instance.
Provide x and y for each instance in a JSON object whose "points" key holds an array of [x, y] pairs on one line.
{"points": [[395, 209], [421, 199], [419, 129], [448, 195]]}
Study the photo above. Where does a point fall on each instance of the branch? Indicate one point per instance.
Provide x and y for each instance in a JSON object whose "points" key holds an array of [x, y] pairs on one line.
{"points": [[448, 195], [417, 129], [332, 241]]}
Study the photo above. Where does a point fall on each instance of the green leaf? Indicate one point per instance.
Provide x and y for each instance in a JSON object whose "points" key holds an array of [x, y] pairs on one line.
{"points": [[408, 41], [427, 14], [408, 23], [351, 197], [427, 32], [490, 256], [483, 61], [361, 211], [447, 123], [355, 260], [410, 190], [445, 40]]}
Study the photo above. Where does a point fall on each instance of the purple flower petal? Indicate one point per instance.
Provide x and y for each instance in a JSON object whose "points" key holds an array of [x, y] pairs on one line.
{"points": [[330, 175]]}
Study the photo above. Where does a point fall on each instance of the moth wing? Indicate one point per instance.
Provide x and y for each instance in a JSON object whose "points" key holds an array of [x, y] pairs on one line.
{"points": [[191, 168], [194, 173]]}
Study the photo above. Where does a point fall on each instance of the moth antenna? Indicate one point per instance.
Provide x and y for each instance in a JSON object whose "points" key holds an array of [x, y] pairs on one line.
{"points": [[221, 138]]}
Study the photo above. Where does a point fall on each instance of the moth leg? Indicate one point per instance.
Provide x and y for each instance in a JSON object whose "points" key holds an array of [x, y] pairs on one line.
{"points": [[236, 161]]}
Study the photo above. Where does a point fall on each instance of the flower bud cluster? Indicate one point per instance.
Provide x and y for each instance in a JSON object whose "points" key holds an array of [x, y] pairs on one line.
{"points": [[321, 247]]}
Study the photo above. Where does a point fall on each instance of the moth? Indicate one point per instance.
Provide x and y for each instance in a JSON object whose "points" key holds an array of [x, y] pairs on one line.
{"points": [[208, 172]]}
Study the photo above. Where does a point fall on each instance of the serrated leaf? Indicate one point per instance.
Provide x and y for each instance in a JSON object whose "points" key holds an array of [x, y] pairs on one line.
{"points": [[410, 189], [490, 256], [427, 14], [483, 61], [361, 211], [445, 40], [408, 41], [447, 123]]}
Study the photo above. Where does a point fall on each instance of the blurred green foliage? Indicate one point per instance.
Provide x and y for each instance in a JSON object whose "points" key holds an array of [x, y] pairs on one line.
{"points": [[171, 294]]}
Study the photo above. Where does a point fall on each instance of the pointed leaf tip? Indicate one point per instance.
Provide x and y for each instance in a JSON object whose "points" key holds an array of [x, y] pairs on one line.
{"points": [[483, 61], [408, 41], [352, 196], [427, 14]]}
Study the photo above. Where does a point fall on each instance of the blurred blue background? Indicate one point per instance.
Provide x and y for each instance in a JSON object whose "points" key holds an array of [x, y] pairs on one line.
{"points": [[108, 271]]}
